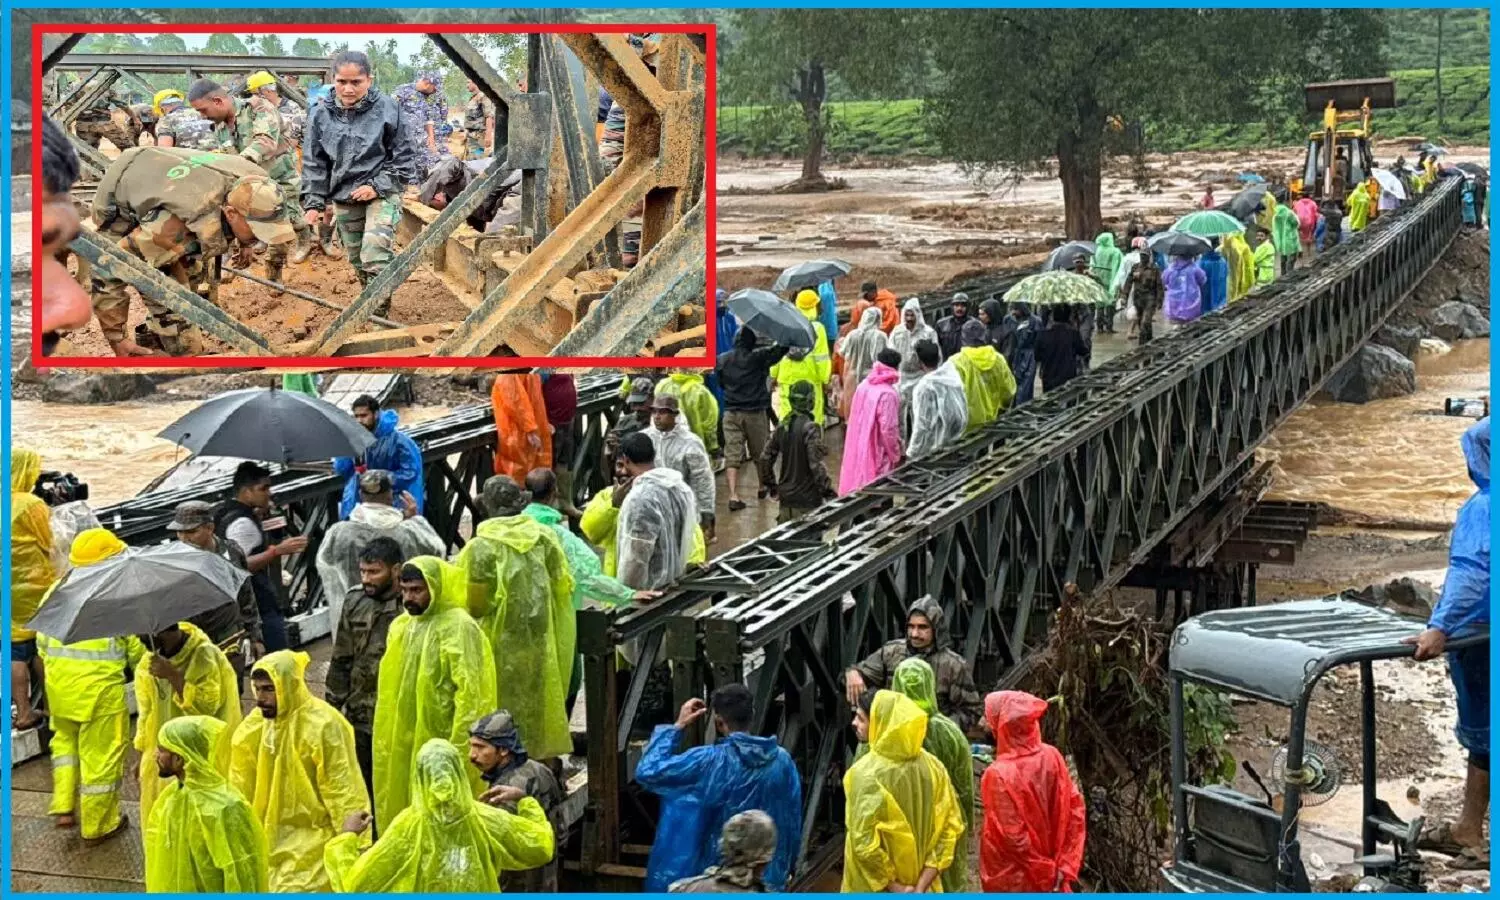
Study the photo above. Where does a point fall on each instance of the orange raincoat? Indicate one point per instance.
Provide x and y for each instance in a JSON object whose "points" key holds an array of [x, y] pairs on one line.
{"points": [[886, 302], [520, 413]]}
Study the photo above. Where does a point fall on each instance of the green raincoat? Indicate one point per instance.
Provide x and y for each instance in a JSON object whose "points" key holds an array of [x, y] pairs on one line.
{"points": [[989, 385], [1105, 266], [1285, 232], [437, 678], [521, 593]]}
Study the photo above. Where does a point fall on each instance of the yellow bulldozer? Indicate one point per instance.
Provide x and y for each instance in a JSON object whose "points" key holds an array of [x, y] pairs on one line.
{"points": [[1338, 155]]}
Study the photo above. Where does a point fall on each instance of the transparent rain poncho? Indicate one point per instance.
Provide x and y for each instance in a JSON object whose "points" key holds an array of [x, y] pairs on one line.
{"points": [[520, 590], [445, 841], [904, 341], [939, 411], [685, 452], [655, 531], [900, 812], [338, 554], [437, 678], [201, 837], [299, 772]]}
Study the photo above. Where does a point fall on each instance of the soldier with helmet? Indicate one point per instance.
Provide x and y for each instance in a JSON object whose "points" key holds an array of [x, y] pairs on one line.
{"points": [[180, 125]]}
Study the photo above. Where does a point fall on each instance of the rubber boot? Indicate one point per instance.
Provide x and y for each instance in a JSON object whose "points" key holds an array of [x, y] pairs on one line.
{"points": [[325, 241], [273, 273], [304, 247]]}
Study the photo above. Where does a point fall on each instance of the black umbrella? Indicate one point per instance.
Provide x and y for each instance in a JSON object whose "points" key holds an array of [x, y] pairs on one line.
{"points": [[270, 425], [142, 590], [1480, 173], [810, 274], [1175, 243], [1062, 259], [772, 317], [1244, 203]]}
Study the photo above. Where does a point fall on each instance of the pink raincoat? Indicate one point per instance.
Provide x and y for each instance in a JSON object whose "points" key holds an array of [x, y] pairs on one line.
{"points": [[872, 444]]}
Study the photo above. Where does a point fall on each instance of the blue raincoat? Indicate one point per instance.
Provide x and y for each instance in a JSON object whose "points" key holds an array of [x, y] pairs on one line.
{"points": [[828, 308], [705, 786], [1465, 602], [392, 451], [1216, 291], [726, 325]]}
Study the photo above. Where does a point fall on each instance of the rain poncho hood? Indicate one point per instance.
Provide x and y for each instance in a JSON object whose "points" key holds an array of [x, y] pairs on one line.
{"points": [[872, 441], [436, 679], [1184, 280], [299, 772], [516, 568], [945, 740], [904, 341], [1241, 262], [939, 411], [900, 811], [682, 450], [988, 383], [393, 451], [201, 837], [1107, 258], [703, 787], [860, 346], [1033, 828], [1287, 231], [445, 841], [932, 611], [31, 570], [655, 533], [589, 580], [1465, 601]]}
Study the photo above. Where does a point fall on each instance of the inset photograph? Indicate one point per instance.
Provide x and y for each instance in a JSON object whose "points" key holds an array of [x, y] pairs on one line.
{"points": [[245, 197]]}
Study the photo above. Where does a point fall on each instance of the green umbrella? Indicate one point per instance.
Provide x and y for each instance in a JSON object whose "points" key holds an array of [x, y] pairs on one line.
{"points": [[1057, 288], [1208, 223]]}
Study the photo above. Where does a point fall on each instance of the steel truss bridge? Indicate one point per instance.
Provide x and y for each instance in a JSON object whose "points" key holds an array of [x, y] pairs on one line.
{"points": [[555, 289], [1140, 472]]}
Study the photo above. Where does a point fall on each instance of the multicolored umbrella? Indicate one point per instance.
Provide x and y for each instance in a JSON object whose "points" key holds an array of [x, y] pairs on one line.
{"points": [[1208, 223], [1058, 288]]}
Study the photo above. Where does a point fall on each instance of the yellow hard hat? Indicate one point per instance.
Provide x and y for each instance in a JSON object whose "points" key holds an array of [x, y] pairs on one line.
{"points": [[259, 80], [156, 100]]}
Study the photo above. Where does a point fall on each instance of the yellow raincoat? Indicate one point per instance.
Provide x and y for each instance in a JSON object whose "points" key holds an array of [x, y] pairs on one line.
{"points": [[946, 741], [988, 384], [601, 520], [816, 367], [698, 405], [300, 774], [521, 592], [211, 689], [201, 836], [1265, 262], [1241, 265], [1360, 205], [445, 841], [30, 543], [1266, 218], [86, 699], [437, 678], [900, 812]]}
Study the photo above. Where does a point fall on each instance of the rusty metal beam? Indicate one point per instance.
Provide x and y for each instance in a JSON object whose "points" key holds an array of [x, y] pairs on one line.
{"points": [[55, 54], [176, 63]]}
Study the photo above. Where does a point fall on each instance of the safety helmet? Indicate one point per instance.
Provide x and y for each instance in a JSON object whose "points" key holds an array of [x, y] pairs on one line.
{"points": [[259, 80], [162, 97]]}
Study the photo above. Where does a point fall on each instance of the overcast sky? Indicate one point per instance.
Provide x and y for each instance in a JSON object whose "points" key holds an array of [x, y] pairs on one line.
{"points": [[406, 44]]}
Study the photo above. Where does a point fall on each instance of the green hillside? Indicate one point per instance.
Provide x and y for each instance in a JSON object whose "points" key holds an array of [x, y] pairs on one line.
{"points": [[894, 128], [1412, 42]]}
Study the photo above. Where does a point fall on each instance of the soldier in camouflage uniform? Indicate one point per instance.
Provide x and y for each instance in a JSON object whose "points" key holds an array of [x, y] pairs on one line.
{"points": [[181, 126], [423, 112], [925, 639], [252, 128], [109, 117], [479, 120], [177, 210], [495, 747], [357, 157], [746, 847]]}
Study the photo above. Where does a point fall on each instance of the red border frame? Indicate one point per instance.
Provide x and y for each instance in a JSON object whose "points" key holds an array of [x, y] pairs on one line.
{"points": [[710, 133]]}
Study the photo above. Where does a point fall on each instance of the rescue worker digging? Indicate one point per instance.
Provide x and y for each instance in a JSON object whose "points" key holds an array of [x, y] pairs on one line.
{"points": [[178, 210]]}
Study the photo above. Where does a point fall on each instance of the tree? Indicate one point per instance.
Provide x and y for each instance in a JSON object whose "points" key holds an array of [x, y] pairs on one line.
{"points": [[1019, 88], [386, 66], [166, 43], [270, 45], [791, 53], [309, 47], [226, 45]]}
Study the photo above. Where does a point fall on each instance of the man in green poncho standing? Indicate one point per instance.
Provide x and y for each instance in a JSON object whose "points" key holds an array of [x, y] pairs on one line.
{"points": [[1105, 266], [1287, 236]]}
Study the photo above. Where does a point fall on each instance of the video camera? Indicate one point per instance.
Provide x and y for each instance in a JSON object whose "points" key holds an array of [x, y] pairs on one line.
{"points": [[58, 488]]}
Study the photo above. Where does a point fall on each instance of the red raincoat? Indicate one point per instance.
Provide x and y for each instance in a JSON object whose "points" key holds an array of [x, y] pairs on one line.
{"points": [[1032, 837]]}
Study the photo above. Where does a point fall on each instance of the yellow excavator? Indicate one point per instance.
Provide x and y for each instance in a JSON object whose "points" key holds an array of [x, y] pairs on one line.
{"points": [[1339, 154]]}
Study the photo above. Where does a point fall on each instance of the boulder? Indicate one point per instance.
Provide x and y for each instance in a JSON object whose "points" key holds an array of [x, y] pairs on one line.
{"points": [[1404, 596], [1405, 340], [1457, 320], [87, 389], [1375, 373]]}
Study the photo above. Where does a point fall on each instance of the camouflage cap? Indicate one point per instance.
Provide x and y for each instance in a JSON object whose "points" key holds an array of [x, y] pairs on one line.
{"points": [[666, 403], [374, 481], [749, 839], [499, 730], [501, 496], [640, 390], [259, 199], [191, 515]]}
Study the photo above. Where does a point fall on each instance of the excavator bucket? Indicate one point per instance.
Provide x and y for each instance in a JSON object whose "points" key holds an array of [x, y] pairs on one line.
{"points": [[1350, 95]]}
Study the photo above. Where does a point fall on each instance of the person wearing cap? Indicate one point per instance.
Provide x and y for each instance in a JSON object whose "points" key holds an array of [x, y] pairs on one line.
{"points": [[523, 437], [638, 392], [253, 129], [232, 623], [293, 759], [374, 516], [177, 210], [86, 699], [520, 590], [509, 773], [179, 125], [950, 328], [746, 847], [677, 447], [423, 111]]}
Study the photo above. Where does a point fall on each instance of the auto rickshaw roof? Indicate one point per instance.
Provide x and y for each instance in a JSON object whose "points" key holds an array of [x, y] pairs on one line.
{"points": [[1279, 651]]}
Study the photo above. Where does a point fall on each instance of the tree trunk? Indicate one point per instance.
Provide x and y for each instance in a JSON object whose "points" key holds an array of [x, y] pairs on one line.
{"points": [[1079, 161], [810, 92]]}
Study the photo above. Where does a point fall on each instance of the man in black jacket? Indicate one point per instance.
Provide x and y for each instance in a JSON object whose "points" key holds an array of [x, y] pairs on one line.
{"points": [[1059, 349], [950, 328], [744, 375], [356, 156], [803, 483], [239, 524]]}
